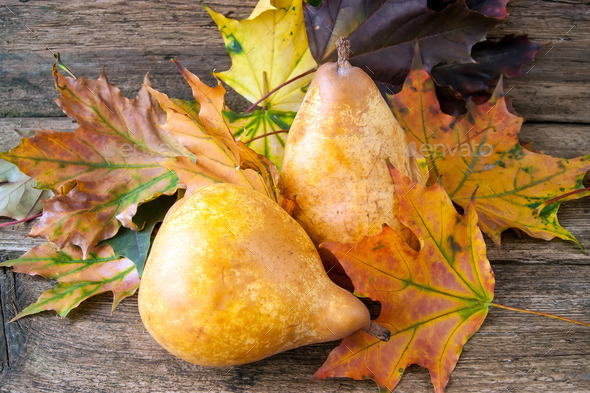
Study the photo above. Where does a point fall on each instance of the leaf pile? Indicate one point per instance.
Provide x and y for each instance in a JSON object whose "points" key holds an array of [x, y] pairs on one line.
{"points": [[123, 154]]}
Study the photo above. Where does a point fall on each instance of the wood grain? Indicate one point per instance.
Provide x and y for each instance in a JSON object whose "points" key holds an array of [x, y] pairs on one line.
{"points": [[93, 350], [132, 38]]}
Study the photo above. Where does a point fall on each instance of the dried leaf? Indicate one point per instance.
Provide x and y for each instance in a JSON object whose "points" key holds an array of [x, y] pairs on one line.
{"points": [[249, 159], [114, 156], [517, 188], [19, 198], [492, 59], [215, 155], [491, 8], [432, 300], [77, 278]]}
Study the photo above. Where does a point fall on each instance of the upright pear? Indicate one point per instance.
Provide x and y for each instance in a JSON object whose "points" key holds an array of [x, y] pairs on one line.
{"points": [[335, 161], [231, 278]]}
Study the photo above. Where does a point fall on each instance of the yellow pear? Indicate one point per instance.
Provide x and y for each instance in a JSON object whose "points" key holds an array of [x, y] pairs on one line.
{"points": [[231, 278], [335, 162]]}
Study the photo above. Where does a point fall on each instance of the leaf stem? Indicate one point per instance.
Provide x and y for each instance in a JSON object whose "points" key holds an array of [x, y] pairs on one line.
{"points": [[265, 135], [557, 198], [539, 313], [19, 221], [264, 97]]}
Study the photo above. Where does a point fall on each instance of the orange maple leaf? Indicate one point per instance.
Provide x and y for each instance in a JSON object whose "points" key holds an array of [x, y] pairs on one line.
{"points": [[518, 188], [78, 279], [113, 158], [217, 156], [432, 300]]}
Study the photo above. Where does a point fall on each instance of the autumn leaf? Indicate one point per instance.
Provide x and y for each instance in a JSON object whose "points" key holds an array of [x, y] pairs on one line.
{"points": [[215, 155], [77, 278], [432, 300], [480, 149], [492, 59], [267, 49], [251, 126], [114, 157], [135, 244], [19, 198], [383, 34]]}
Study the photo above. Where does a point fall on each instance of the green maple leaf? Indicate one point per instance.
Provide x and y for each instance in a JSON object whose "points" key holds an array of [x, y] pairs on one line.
{"points": [[78, 278]]}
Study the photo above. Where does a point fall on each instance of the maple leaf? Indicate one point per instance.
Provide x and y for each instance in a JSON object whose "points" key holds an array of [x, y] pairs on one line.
{"points": [[383, 34], [491, 8], [216, 155], [257, 128], [492, 59], [267, 49], [517, 188], [432, 300], [19, 198], [114, 157], [78, 278]]}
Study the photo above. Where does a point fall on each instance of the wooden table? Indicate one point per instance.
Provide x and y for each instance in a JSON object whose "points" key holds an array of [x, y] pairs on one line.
{"points": [[93, 350]]}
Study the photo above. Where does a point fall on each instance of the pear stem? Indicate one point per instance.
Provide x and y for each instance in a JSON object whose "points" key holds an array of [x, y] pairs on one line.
{"points": [[378, 331], [343, 49]]}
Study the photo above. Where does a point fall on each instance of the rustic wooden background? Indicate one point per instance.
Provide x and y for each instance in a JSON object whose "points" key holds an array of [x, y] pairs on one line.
{"points": [[93, 350]]}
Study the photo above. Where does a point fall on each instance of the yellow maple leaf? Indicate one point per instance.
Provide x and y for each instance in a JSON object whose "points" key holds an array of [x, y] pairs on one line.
{"points": [[267, 49]]}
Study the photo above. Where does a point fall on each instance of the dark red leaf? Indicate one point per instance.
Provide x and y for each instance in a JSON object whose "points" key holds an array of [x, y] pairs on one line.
{"points": [[493, 58], [383, 35]]}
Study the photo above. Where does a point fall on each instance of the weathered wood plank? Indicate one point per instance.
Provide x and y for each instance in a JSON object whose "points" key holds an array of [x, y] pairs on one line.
{"points": [[92, 350], [4, 364], [11, 300], [131, 38]]}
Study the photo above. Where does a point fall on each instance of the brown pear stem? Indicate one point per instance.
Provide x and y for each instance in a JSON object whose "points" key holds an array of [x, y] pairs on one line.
{"points": [[343, 49], [378, 331]]}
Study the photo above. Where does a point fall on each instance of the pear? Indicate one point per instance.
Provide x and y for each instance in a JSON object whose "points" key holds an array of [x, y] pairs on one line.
{"points": [[335, 160], [232, 278]]}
